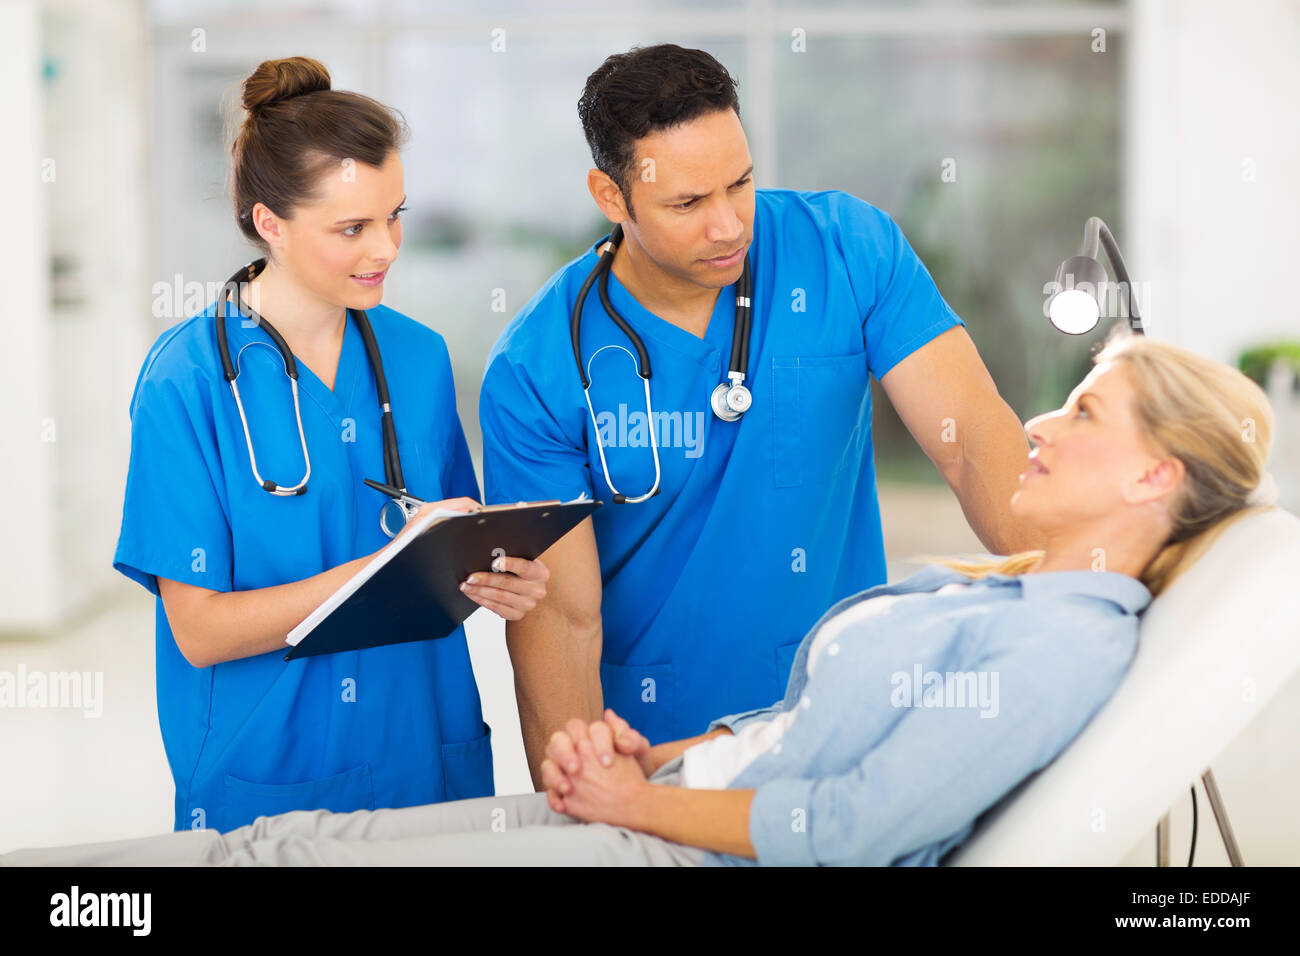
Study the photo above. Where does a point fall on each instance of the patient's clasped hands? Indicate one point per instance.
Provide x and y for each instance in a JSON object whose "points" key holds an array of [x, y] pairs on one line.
{"points": [[596, 772]]}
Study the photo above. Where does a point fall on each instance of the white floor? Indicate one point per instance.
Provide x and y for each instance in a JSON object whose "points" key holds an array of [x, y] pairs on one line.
{"points": [[68, 778]]}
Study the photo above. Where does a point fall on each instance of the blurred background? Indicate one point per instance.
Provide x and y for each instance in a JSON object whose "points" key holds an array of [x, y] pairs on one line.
{"points": [[1173, 121]]}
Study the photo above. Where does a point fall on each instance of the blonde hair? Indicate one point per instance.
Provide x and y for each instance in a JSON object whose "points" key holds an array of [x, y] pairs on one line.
{"points": [[1211, 417]]}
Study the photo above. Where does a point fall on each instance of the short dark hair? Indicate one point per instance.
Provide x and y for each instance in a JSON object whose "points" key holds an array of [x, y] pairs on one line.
{"points": [[647, 89]]}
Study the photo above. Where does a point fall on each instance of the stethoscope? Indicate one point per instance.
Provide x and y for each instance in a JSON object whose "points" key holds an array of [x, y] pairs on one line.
{"points": [[730, 400], [395, 486]]}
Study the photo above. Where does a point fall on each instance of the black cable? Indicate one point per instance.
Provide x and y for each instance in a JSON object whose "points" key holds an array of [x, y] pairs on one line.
{"points": [[1191, 855]]}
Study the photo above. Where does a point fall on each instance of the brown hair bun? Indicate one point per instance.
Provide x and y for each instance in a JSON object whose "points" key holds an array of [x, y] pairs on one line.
{"points": [[276, 80]]}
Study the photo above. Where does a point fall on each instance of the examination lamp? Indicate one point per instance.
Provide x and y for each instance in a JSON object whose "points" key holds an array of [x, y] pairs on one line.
{"points": [[1075, 305]]}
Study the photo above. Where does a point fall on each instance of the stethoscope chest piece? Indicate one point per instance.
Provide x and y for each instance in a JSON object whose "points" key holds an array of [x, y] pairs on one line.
{"points": [[730, 400], [393, 516]]}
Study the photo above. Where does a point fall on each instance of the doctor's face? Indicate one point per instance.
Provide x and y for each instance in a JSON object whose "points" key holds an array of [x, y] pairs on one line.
{"points": [[341, 245], [1091, 464], [692, 190]]}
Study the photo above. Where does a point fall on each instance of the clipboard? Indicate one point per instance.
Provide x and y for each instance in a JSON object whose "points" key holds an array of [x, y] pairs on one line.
{"points": [[411, 590]]}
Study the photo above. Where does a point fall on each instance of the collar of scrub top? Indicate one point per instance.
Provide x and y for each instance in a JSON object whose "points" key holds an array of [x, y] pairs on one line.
{"points": [[395, 485], [730, 399]]}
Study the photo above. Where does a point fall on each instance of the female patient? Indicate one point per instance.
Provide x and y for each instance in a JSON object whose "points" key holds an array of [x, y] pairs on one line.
{"points": [[911, 708]]}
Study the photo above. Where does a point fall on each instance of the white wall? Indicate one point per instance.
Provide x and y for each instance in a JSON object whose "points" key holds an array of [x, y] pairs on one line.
{"points": [[27, 556], [73, 293], [1213, 90]]}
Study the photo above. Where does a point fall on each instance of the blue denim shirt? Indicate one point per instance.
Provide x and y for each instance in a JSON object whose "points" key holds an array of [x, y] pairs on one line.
{"points": [[880, 768]]}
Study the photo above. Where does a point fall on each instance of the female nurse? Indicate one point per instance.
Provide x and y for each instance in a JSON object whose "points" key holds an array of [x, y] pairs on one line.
{"points": [[211, 524]]}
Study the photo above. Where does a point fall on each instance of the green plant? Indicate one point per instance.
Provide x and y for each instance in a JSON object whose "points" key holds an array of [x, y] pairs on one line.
{"points": [[1256, 362]]}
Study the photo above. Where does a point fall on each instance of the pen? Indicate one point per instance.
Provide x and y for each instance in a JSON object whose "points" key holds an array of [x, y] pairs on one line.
{"points": [[395, 493]]}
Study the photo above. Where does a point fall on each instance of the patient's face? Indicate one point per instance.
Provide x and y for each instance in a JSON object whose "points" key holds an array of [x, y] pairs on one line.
{"points": [[1098, 465]]}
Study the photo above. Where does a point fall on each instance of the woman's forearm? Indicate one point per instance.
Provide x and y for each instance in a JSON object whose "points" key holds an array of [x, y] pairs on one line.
{"points": [[716, 820], [212, 627], [661, 754]]}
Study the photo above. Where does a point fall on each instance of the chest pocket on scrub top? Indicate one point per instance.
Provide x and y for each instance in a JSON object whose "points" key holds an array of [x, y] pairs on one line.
{"points": [[820, 415]]}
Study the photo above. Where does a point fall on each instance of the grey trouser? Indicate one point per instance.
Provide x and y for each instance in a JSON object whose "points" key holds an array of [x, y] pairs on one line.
{"points": [[489, 831]]}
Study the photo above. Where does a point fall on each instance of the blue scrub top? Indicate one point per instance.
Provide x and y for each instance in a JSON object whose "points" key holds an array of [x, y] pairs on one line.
{"points": [[761, 524], [383, 727]]}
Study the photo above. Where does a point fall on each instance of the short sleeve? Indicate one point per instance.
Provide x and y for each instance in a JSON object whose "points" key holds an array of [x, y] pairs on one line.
{"points": [[900, 305], [526, 454], [174, 523]]}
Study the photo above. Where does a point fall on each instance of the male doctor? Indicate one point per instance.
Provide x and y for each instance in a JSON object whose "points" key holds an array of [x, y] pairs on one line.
{"points": [[688, 604]]}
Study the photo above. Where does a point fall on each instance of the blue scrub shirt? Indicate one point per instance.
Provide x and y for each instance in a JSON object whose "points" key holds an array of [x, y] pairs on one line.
{"points": [[761, 524], [388, 726]]}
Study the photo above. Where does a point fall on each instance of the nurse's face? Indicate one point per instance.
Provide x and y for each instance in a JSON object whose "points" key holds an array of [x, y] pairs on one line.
{"points": [[341, 245], [692, 191], [1091, 466]]}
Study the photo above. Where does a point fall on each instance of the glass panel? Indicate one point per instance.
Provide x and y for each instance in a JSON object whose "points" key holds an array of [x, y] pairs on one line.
{"points": [[1029, 126]]}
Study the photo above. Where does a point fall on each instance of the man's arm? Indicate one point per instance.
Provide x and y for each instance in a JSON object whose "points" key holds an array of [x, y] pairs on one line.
{"points": [[949, 402], [555, 650]]}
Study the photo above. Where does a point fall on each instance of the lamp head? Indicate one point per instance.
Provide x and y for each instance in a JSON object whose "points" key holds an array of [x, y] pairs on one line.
{"points": [[1075, 305]]}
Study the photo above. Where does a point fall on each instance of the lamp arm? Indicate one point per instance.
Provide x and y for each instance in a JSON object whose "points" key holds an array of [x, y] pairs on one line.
{"points": [[1097, 232]]}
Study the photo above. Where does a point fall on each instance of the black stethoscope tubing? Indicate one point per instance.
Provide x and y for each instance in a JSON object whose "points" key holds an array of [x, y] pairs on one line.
{"points": [[392, 458], [729, 400], [740, 335]]}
